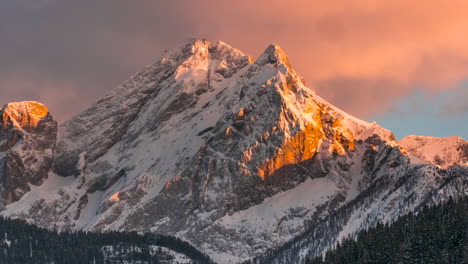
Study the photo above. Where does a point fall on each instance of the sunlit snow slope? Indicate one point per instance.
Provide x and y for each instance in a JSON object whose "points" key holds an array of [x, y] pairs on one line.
{"points": [[443, 152]]}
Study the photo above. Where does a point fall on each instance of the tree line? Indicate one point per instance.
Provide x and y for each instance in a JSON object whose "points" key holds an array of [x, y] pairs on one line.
{"points": [[437, 234], [24, 243]]}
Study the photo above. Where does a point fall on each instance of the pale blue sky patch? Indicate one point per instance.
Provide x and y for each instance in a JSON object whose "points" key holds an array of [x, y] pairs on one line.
{"points": [[441, 115]]}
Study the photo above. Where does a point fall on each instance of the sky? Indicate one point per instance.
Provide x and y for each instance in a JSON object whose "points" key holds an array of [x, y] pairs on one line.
{"points": [[401, 63]]}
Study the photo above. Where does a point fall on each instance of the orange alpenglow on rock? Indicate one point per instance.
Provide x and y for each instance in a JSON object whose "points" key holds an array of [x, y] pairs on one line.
{"points": [[24, 115], [28, 135], [115, 197], [304, 145], [299, 148]]}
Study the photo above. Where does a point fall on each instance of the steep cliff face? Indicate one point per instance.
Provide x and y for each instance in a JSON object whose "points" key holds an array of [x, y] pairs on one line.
{"points": [[160, 94], [235, 155], [443, 152], [27, 140]]}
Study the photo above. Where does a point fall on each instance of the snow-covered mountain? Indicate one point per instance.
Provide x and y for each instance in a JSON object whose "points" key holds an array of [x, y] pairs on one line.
{"points": [[234, 155], [443, 152]]}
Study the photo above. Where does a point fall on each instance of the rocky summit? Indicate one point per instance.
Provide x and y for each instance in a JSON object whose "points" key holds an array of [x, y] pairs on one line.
{"points": [[236, 155], [27, 141]]}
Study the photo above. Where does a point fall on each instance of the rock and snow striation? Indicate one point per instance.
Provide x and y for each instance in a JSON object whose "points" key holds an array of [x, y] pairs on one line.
{"points": [[234, 155]]}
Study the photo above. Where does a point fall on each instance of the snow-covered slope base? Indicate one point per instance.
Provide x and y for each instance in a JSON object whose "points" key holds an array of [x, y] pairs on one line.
{"points": [[234, 155]]}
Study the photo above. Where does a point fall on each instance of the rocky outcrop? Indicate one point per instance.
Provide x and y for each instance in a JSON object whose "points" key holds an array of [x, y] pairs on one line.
{"points": [[27, 140]]}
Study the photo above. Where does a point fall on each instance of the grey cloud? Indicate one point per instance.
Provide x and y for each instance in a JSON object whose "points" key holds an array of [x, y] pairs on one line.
{"points": [[456, 103], [78, 48]]}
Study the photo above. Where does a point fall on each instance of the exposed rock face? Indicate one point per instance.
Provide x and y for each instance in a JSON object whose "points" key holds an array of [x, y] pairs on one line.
{"points": [[386, 188], [235, 155], [443, 152], [27, 140]]}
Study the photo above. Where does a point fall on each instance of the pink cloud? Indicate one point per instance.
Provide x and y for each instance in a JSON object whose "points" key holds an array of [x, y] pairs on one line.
{"points": [[373, 51], [360, 54]]}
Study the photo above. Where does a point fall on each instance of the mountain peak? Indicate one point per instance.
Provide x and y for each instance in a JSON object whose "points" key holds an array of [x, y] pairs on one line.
{"points": [[26, 114], [198, 47], [275, 55], [194, 45], [418, 137], [27, 139], [200, 56]]}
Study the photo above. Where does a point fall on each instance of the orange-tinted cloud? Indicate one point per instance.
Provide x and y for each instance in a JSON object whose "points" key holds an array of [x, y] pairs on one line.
{"points": [[360, 54]]}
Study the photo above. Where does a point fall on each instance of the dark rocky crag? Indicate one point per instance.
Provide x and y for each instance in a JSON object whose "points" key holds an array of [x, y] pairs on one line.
{"points": [[27, 141]]}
